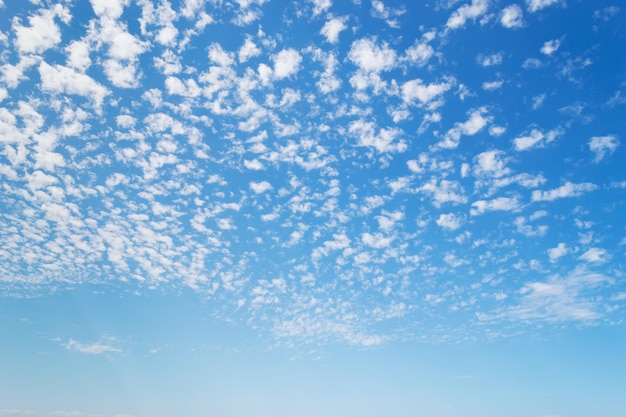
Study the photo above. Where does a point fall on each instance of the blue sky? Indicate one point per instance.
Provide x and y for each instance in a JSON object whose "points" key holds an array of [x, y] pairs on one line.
{"points": [[312, 208]]}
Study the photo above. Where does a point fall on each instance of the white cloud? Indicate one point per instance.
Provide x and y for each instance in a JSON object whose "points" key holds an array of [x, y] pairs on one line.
{"points": [[492, 85], [43, 32], [444, 191], [370, 57], [320, 6], [260, 187], [333, 28], [121, 75], [559, 251], [376, 240], [535, 5], [566, 190], [286, 63], [254, 165], [472, 11], [490, 60], [536, 138], [78, 55], [248, 50], [491, 163], [595, 255], [550, 47], [449, 221], [97, 348], [419, 53], [558, 299], [476, 122], [110, 8], [388, 14], [532, 63], [60, 79], [383, 140], [512, 17], [497, 204], [602, 146], [424, 93], [538, 101]]}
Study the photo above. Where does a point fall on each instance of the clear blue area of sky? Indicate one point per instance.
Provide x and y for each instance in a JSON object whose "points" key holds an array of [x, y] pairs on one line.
{"points": [[277, 208]]}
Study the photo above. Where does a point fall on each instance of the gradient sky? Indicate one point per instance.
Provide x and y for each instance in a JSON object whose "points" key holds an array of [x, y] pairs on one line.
{"points": [[277, 208]]}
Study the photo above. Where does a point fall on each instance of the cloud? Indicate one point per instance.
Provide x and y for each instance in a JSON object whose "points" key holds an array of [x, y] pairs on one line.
{"points": [[64, 80], [320, 6], [332, 28], [383, 140], [260, 187], [536, 139], [595, 255], [110, 8], [558, 299], [490, 60], [497, 204], [550, 47], [97, 348], [43, 32], [420, 52], [602, 146], [424, 93], [559, 251], [512, 17], [248, 50], [472, 11], [478, 119], [536, 5], [449, 221], [78, 55], [371, 57], [492, 85], [566, 190], [491, 164], [388, 14], [286, 63]]}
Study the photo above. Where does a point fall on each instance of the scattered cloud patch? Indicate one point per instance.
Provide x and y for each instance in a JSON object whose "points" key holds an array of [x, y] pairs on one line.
{"points": [[369, 56], [512, 17], [470, 11], [550, 47], [332, 28], [536, 5], [602, 146], [567, 190]]}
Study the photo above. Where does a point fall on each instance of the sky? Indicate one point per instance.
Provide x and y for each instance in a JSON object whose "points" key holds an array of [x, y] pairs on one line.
{"points": [[244, 208]]}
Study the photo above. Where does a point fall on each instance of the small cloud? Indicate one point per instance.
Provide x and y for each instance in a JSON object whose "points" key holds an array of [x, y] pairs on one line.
{"points": [[602, 146], [550, 47], [97, 348], [536, 5], [286, 63], [370, 57], [333, 28], [492, 85], [260, 187], [497, 204], [490, 60], [532, 63], [536, 139], [512, 17], [449, 221], [558, 252], [568, 189], [557, 299], [595, 255], [472, 11]]}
